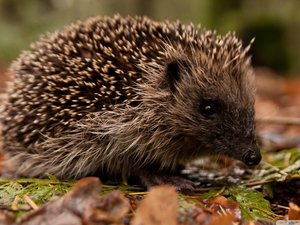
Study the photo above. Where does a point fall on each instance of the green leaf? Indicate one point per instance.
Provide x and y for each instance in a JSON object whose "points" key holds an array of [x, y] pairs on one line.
{"points": [[252, 203]]}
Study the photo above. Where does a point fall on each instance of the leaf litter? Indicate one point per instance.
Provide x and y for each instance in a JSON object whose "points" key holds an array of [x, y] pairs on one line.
{"points": [[89, 202], [227, 191]]}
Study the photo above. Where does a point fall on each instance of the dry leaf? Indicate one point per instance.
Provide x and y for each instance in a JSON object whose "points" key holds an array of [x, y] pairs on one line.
{"points": [[294, 212], [82, 205], [160, 207]]}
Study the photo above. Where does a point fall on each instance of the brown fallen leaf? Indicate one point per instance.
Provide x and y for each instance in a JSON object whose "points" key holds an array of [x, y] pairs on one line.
{"points": [[223, 206], [160, 207], [294, 212], [198, 215], [6, 218], [195, 215], [82, 205], [111, 209], [221, 219]]}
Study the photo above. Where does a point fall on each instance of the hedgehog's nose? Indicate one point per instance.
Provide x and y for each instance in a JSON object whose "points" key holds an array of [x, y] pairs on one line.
{"points": [[252, 157]]}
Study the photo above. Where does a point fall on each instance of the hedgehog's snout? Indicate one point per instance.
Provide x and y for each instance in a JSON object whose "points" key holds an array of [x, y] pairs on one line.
{"points": [[252, 156]]}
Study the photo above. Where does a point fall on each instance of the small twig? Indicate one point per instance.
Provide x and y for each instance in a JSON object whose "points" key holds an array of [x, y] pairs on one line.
{"points": [[258, 182], [283, 207], [267, 212], [30, 202], [220, 192], [138, 193], [14, 205], [279, 120], [223, 210]]}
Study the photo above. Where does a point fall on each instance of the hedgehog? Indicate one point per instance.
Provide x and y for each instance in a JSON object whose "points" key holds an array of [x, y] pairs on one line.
{"points": [[128, 97]]}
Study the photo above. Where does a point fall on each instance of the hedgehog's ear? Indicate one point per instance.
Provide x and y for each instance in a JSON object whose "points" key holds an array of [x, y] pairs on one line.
{"points": [[174, 72]]}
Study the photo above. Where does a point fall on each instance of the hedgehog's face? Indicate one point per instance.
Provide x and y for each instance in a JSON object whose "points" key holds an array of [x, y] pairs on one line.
{"points": [[213, 110]]}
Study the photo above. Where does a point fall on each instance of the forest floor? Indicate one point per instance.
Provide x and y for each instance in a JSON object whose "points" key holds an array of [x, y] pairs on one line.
{"points": [[228, 192]]}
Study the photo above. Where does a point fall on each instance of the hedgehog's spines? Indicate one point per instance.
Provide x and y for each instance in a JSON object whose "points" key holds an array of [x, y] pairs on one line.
{"points": [[97, 90]]}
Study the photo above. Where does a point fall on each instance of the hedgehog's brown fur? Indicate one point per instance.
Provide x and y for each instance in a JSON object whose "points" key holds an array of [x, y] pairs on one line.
{"points": [[121, 94]]}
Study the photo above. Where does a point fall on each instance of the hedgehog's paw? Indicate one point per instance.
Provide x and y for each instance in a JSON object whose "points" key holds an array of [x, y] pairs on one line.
{"points": [[180, 183]]}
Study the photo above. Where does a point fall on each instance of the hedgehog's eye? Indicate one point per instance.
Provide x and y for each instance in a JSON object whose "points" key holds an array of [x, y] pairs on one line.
{"points": [[208, 108]]}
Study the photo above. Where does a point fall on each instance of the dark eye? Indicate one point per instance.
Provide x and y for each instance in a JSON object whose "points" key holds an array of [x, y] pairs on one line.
{"points": [[208, 108]]}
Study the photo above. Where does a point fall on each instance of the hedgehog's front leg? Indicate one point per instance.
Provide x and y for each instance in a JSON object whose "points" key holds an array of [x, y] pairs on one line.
{"points": [[182, 184]]}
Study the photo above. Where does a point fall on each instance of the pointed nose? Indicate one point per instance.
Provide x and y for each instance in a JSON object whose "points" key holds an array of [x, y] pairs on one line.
{"points": [[252, 157]]}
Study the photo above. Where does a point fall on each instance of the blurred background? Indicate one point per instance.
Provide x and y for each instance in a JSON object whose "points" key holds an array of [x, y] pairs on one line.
{"points": [[275, 24]]}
